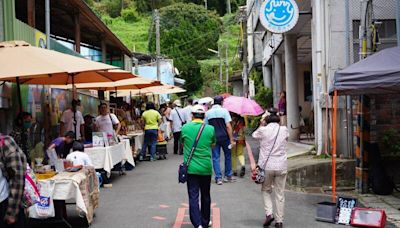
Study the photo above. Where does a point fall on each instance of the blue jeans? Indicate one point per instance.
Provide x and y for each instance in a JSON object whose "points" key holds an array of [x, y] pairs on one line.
{"points": [[150, 139], [202, 184], [216, 153]]}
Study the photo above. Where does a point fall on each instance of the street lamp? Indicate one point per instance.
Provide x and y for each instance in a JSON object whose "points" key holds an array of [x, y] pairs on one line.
{"points": [[220, 61]]}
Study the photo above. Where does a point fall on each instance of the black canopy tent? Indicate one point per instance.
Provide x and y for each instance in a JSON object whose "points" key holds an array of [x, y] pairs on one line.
{"points": [[377, 74]]}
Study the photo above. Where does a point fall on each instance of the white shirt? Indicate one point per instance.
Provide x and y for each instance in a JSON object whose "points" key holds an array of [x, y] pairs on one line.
{"points": [[4, 191], [68, 119], [104, 123], [272, 158], [176, 121], [188, 113], [79, 158]]}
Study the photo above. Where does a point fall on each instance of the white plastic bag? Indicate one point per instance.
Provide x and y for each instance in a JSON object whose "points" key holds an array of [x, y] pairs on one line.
{"points": [[31, 191], [45, 207]]}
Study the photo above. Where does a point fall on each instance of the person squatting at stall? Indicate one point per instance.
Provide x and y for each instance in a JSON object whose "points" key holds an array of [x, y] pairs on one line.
{"points": [[199, 168], [273, 159], [12, 179], [78, 156]]}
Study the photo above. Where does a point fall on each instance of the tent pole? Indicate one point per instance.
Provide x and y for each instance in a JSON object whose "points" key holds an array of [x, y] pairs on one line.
{"points": [[334, 125], [19, 94]]}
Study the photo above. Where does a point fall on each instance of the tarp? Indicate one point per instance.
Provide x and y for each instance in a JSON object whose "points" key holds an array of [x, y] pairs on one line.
{"points": [[33, 65], [377, 74], [156, 90]]}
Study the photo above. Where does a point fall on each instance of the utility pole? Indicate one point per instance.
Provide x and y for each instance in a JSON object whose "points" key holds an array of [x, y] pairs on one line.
{"points": [[228, 6], [220, 63], [157, 18], [398, 22], [206, 5], [227, 67], [47, 23]]}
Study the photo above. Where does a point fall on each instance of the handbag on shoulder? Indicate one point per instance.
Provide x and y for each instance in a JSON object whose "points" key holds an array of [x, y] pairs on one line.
{"points": [[183, 168], [258, 174]]}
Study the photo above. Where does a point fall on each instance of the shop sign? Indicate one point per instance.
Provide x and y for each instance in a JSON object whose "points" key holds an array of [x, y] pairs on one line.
{"points": [[279, 16]]}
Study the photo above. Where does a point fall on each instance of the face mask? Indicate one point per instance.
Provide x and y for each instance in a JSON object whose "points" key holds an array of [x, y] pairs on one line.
{"points": [[27, 125]]}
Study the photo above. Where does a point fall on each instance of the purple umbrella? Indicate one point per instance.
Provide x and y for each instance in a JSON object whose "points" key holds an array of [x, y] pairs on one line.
{"points": [[242, 106]]}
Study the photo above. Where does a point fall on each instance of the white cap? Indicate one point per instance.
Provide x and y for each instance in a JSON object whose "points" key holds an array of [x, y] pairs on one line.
{"points": [[198, 109], [178, 103]]}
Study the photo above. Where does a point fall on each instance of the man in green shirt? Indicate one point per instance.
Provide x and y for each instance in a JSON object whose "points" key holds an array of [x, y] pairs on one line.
{"points": [[151, 119], [200, 167]]}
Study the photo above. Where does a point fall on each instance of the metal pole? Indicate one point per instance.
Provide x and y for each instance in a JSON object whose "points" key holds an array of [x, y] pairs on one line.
{"points": [[205, 4], [227, 67], [220, 63], [19, 94], [398, 22], [158, 48], [47, 23], [348, 98]]}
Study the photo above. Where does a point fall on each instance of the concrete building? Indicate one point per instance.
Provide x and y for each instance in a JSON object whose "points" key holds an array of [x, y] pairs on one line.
{"points": [[303, 61]]}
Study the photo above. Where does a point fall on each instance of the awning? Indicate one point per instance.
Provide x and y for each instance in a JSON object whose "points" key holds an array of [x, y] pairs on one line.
{"points": [[377, 74]]}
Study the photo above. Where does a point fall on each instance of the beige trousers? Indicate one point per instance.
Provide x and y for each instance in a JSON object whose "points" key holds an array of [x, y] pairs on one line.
{"points": [[274, 183]]}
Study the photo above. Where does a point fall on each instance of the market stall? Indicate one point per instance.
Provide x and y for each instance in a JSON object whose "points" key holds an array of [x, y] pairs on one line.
{"points": [[82, 187], [107, 157]]}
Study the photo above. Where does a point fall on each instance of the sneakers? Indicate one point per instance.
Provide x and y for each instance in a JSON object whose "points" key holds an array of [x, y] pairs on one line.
{"points": [[200, 226], [218, 182], [141, 158], [268, 220], [229, 179], [242, 171], [278, 225], [235, 173], [210, 224]]}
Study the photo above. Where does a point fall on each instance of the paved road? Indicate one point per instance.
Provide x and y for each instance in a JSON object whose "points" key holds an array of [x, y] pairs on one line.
{"points": [[150, 197]]}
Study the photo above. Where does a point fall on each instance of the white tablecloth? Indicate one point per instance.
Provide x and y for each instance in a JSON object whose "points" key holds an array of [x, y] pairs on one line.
{"points": [[80, 186], [139, 138], [106, 157], [128, 151]]}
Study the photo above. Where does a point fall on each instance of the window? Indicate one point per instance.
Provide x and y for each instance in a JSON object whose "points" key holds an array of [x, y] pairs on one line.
{"points": [[387, 30]]}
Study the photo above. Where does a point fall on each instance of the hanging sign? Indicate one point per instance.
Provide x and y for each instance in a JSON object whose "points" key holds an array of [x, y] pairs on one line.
{"points": [[279, 16]]}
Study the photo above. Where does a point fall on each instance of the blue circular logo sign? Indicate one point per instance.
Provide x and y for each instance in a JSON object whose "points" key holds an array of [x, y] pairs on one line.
{"points": [[279, 16]]}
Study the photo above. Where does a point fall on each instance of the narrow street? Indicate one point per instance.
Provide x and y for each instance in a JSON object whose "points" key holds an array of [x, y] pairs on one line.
{"points": [[150, 196]]}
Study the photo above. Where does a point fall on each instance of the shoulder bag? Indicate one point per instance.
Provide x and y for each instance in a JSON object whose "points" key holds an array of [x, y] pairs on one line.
{"points": [[182, 122], [259, 173], [183, 168]]}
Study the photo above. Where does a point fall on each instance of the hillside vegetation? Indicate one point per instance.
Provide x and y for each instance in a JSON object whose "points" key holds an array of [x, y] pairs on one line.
{"points": [[132, 22]]}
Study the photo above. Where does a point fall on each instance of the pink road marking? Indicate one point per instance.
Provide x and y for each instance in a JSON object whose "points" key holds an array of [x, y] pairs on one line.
{"points": [[251, 156], [164, 206], [216, 217], [159, 218], [179, 218], [185, 204]]}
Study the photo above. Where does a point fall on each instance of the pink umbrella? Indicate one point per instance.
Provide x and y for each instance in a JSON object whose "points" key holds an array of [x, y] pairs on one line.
{"points": [[242, 106]]}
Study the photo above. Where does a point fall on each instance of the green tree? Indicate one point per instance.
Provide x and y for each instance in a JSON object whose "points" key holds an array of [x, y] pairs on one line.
{"points": [[187, 31]]}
